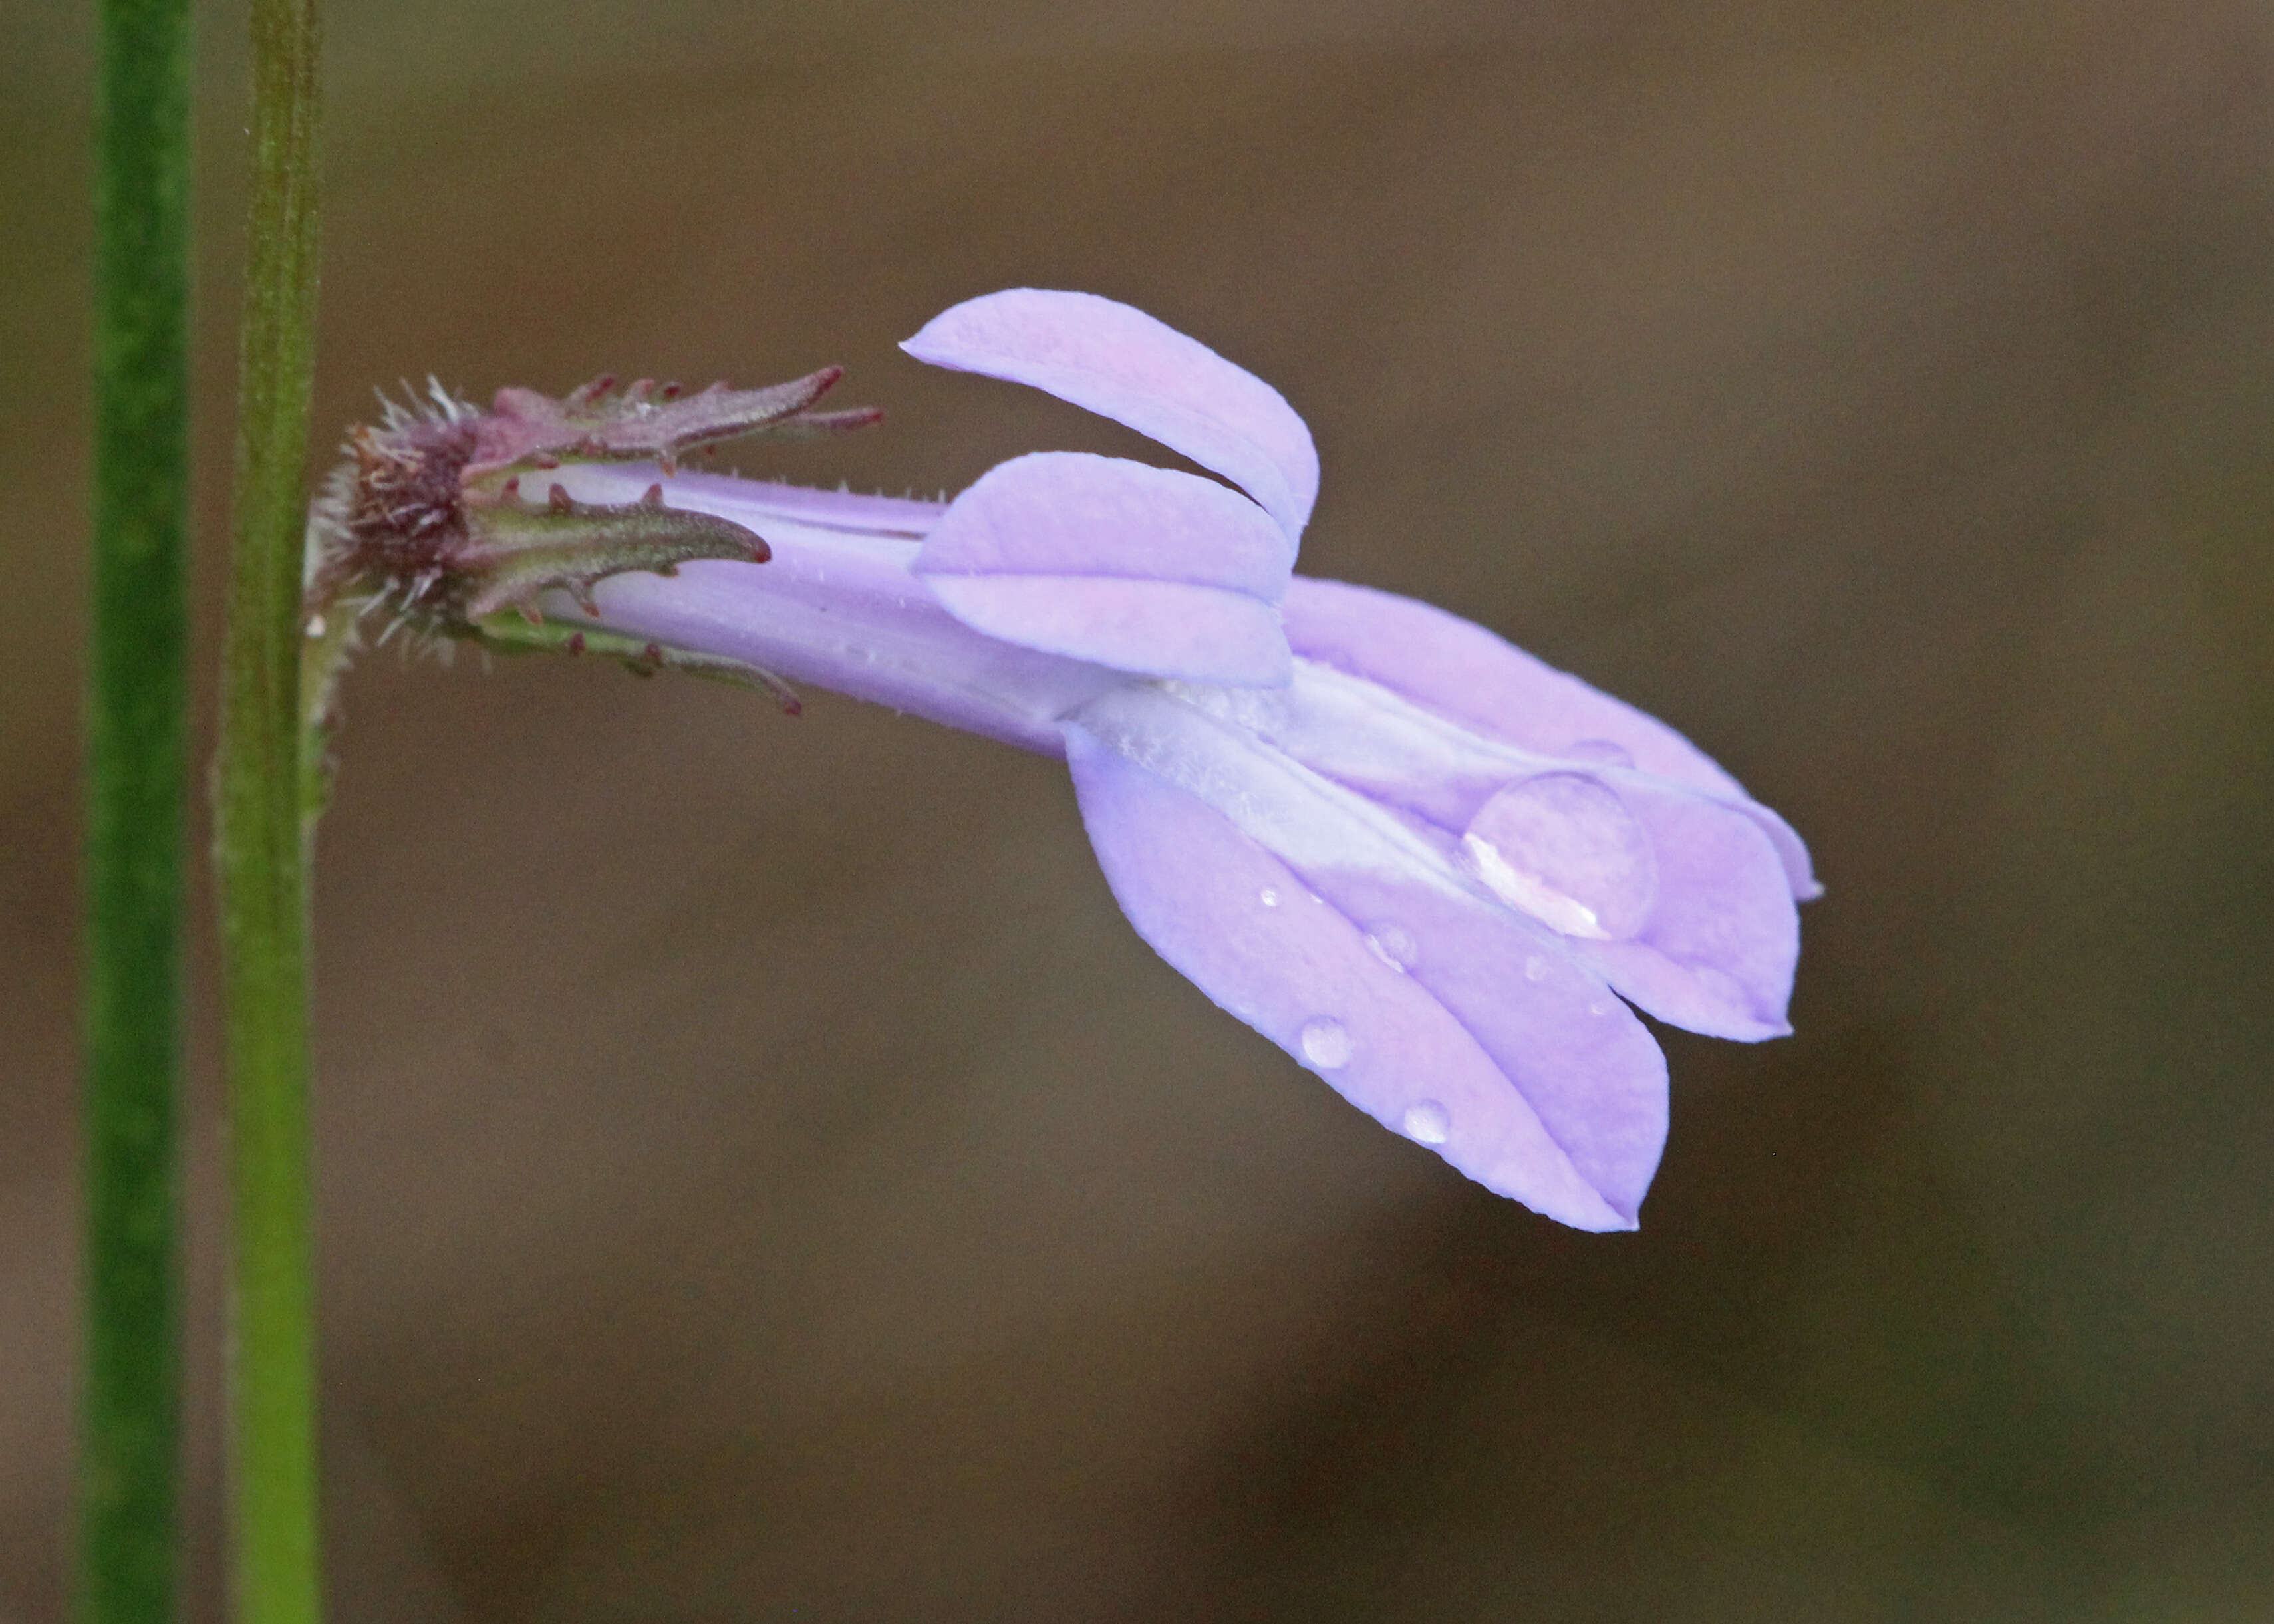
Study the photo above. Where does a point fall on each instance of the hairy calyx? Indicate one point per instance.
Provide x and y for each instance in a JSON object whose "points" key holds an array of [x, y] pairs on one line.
{"points": [[443, 522]]}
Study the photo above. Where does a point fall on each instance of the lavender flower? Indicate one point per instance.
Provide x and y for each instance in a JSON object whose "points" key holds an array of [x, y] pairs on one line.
{"points": [[1433, 870]]}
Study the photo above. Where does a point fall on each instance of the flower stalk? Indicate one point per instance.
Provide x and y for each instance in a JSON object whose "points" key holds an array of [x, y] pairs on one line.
{"points": [[135, 794], [260, 856]]}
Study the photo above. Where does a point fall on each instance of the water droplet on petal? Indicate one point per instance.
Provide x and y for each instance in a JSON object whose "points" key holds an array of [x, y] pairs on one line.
{"points": [[1607, 751], [1268, 897], [1429, 1122], [1565, 849], [1395, 946], [1535, 968], [1325, 1043], [1600, 1006]]}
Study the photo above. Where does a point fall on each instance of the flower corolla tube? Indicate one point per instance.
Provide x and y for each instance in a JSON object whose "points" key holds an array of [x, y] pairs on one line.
{"points": [[1433, 870]]}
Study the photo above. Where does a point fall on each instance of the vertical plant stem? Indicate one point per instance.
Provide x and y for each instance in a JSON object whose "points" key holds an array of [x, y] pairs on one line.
{"points": [[264, 886], [135, 801]]}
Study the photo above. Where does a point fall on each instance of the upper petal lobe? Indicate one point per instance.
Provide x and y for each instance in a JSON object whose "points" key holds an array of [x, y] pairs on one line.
{"points": [[1118, 361]]}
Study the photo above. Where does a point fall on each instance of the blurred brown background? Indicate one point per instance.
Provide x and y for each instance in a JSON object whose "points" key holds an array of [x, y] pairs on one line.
{"points": [[763, 1177]]}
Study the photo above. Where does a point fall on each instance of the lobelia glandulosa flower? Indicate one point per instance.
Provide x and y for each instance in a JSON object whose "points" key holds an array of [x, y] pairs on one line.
{"points": [[1433, 870]]}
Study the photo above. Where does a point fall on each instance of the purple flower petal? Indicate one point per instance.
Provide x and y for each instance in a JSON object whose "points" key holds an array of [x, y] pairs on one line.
{"points": [[835, 510], [1313, 917], [1461, 671], [1109, 560], [1120, 363]]}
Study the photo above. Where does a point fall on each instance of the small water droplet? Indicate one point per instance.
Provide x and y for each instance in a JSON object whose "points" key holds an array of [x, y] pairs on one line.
{"points": [[1269, 898], [1609, 752], [315, 626], [1325, 1043], [1429, 1122], [1394, 945], [1599, 1007], [1535, 968]]}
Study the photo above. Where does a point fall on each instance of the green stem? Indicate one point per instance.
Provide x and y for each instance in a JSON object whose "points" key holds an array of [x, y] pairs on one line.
{"points": [[264, 887], [135, 800]]}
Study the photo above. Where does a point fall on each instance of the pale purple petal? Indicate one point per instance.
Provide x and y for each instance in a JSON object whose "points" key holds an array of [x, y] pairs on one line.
{"points": [[1456, 1021], [1461, 671], [1101, 559], [1118, 361], [1194, 888], [837, 510]]}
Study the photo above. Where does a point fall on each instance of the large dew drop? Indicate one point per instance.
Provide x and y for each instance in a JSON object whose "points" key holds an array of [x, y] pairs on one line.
{"points": [[1564, 848], [1325, 1043], [1429, 1122]]}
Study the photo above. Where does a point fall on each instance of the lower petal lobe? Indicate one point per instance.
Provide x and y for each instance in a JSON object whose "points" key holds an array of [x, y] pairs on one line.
{"points": [[1722, 942], [1432, 1010]]}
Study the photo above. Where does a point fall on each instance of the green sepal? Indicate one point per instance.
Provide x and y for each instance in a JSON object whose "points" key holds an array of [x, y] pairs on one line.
{"points": [[514, 554], [510, 634], [598, 421]]}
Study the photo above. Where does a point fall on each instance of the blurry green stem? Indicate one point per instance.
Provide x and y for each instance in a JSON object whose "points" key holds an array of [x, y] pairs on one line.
{"points": [[135, 800], [264, 883]]}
